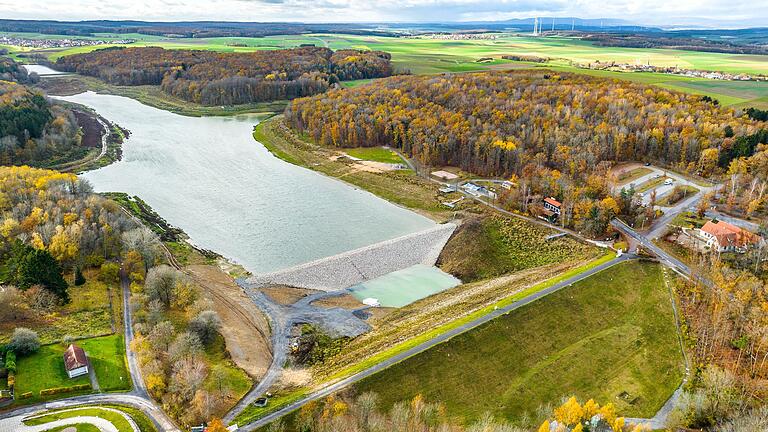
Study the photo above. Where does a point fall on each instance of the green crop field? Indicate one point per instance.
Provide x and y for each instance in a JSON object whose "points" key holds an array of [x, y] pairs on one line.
{"points": [[592, 340]]}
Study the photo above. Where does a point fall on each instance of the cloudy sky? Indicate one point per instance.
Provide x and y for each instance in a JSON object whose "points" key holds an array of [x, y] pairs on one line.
{"points": [[732, 13]]}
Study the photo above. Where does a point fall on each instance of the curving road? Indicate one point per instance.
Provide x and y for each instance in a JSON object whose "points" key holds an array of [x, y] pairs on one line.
{"points": [[137, 397]]}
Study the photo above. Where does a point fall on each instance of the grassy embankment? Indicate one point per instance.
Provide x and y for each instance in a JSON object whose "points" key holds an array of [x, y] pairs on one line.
{"points": [[651, 184], [154, 97], [117, 420], [593, 340], [401, 187]]}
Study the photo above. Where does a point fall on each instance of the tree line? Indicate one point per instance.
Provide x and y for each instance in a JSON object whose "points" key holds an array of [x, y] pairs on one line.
{"points": [[497, 123], [33, 130], [214, 78]]}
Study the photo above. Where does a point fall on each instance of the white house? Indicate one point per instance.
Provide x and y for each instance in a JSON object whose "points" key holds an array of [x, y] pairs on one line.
{"points": [[553, 205], [724, 237], [75, 361]]}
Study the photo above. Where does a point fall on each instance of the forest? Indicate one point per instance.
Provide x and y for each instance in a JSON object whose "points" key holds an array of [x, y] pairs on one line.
{"points": [[33, 130], [498, 123], [213, 78]]}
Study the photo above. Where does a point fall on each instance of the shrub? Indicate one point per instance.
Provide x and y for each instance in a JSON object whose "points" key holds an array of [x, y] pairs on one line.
{"points": [[24, 341], [110, 272], [205, 325], [79, 278], [10, 362], [25, 395], [60, 390]]}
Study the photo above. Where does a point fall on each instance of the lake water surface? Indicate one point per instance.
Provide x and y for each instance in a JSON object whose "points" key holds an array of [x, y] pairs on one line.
{"points": [[229, 194], [42, 70]]}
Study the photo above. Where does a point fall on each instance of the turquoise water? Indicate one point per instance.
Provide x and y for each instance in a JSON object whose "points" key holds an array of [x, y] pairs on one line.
{"points": [[404, 287]]}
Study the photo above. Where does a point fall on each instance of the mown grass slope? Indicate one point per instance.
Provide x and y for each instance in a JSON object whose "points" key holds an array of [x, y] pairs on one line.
{"points": [[611, 337], [495, 245]]}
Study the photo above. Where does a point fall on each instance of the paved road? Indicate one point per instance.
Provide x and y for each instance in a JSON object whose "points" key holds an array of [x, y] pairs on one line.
{"points": [[137, 397], [335, 387]]}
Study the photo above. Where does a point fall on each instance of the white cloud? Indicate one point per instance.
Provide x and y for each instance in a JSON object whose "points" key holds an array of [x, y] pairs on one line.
{"points": [[655, 12]]}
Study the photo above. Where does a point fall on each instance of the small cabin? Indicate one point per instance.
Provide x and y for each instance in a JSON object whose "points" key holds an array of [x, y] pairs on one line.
{"points": [[75, 361], [553, 205]]}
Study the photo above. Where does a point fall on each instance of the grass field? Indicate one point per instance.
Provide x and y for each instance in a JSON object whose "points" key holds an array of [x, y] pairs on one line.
{"points": [[45, 368], [116, 419], [593, 340], [496, 245], [107, 357], [89, 314], [376, 154], [421, 55], [632, 175], [666, 201], [42, 370], [651, 184]]}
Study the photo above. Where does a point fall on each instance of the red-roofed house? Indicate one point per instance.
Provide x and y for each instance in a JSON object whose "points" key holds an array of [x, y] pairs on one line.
{"points": [[75, 361], [553, 205], [725, 237]]}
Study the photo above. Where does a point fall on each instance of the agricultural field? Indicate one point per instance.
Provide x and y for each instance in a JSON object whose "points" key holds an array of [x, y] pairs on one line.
{"points": [[536, 354], [95, 308], [425, 56]]}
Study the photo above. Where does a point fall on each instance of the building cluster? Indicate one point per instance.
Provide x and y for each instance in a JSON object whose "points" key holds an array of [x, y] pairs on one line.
{"points": [[721, 236], [459, 36], [60, 43], [671, 70]]}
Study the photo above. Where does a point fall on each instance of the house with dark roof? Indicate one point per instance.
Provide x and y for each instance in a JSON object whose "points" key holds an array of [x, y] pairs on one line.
{"points": [[75, 361]]}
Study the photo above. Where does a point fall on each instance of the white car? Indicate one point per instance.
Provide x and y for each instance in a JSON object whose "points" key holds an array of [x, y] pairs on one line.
{"points": [[668, 182]]}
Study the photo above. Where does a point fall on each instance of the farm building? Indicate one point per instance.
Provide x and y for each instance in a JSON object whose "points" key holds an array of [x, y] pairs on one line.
{"points": [[75, 361], [478, 191], [724, 237]]}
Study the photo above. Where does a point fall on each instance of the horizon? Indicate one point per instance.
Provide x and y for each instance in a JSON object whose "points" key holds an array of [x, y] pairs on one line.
{"points": [[685, 14]]}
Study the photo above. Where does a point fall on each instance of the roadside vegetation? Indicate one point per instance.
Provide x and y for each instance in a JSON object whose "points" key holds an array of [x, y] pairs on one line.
{"points": [[116, 418], [593, 339]]}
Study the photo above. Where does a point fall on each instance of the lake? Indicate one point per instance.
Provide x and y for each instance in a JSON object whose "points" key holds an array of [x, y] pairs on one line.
{"points": [[209, 177], [42, 70]]}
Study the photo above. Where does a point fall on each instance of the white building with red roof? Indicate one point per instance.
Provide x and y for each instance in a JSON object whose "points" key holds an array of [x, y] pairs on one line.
{"points": [[75, 361], [724, 237]]}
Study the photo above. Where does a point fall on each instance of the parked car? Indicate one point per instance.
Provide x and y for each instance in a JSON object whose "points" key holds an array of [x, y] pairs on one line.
{"points": [[668, 182]]}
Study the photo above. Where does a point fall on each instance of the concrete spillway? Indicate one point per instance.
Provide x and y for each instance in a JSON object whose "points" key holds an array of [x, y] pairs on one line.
{"points": [[350, 268]]}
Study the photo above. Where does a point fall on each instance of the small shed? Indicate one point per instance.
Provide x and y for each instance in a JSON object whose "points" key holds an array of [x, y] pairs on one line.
{"points": [[75, 361]]}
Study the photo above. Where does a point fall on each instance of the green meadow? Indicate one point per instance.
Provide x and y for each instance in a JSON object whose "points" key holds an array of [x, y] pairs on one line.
{"points": [[427, 56]]}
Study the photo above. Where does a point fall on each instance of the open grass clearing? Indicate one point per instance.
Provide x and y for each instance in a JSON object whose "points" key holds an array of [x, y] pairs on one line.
{"points": [[95, 310], [593, 340], [45, 368], [115, 418], [633, 174], [375, 154]]}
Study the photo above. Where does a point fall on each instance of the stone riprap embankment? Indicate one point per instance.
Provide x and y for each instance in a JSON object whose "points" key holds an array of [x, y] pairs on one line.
{"points": [[349, 268]]}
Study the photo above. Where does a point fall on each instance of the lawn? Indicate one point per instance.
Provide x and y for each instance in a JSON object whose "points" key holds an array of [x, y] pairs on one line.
{"points": [[375, 154], [593, 340], [233, 377], [45, 368], [651, 184], [116, 419], [634, 174], [107, 356], [42, 370]]}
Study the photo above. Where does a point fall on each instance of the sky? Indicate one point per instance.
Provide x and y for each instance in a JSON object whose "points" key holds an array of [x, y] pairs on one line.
{"points": [[713, 13]]}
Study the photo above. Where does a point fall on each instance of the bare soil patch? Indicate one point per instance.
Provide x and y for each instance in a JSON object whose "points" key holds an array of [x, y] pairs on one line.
{"points": [[286, 295], [244, 327], [345, 302]]}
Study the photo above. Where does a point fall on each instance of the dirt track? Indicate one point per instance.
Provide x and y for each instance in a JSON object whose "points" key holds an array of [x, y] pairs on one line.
{"points": [[244, 327]]}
